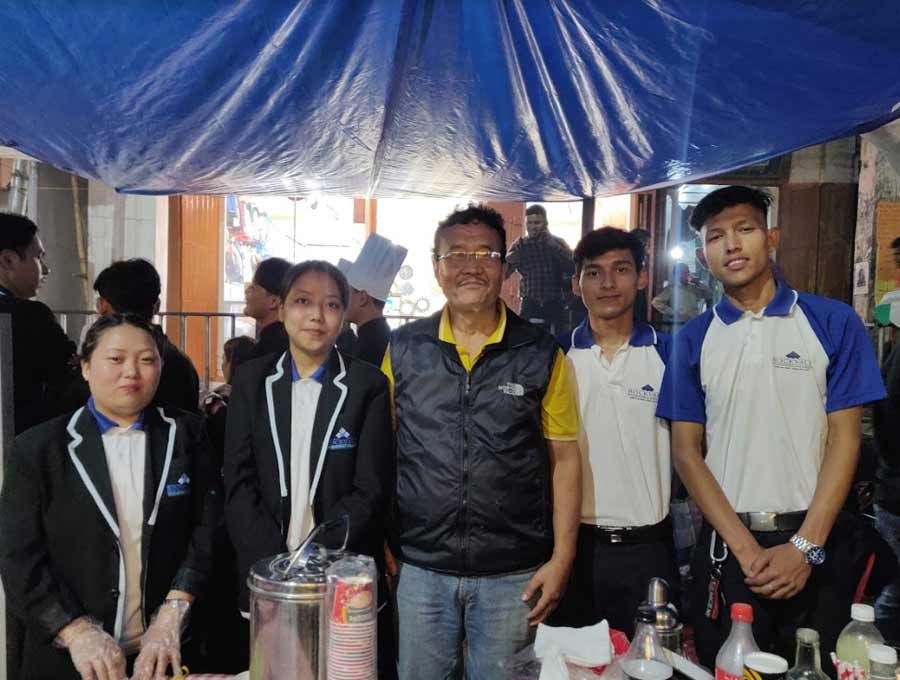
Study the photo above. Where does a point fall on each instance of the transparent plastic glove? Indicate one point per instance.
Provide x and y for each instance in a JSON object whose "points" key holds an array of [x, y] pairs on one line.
{"points": [[95, 655], [161, 642]]}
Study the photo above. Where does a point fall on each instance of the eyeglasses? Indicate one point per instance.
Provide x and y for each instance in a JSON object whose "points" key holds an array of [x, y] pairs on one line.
{"points": [[458, 257]]}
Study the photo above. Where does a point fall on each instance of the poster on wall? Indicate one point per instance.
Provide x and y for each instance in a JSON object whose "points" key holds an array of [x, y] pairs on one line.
{"points": [[861, 278], [887, 228]]}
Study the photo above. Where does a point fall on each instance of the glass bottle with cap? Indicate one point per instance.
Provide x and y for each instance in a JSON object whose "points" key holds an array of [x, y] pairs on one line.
{"points": [[882, 662], [646, 658], [808, 665], [852, 648]]}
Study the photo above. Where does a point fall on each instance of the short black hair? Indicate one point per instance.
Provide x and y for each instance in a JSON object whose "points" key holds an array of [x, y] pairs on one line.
{"points": [[895, 243], [536, 210], [726, 197], [474, 213], [239, 349], [270, 274], [105, 323], [130, 287], [323, 267], [601, 241], [16, 232]]}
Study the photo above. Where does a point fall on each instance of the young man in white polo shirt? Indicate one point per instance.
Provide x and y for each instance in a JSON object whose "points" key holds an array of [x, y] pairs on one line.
{"points": [[617, 365], [770, 384]]}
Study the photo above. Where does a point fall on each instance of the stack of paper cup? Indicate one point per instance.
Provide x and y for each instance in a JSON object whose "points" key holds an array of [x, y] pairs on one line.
{"points": [[352, 619]]}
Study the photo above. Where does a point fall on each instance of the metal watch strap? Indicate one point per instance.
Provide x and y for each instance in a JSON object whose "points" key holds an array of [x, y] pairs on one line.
{"points": [[802, 544]]}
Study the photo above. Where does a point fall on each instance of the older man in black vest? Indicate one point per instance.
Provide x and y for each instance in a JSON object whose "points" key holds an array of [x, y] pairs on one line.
{"points": [[489, 488]]}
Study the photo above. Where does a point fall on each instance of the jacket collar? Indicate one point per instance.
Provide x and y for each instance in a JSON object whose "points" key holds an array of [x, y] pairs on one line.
{"points": [[643, 335], [87, 453], [278, 405], [781, 305]]}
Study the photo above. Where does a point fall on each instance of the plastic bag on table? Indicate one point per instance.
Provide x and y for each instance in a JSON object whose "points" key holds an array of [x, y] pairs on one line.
{"points": [[526, 666]]}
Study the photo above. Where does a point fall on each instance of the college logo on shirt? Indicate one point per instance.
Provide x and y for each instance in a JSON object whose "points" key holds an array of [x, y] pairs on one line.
{"points": [[646, 393], [181, 488], [512, 389], [342, 441], [792, 362]]}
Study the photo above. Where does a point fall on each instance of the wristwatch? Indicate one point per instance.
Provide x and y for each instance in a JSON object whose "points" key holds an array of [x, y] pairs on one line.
{"points": [[815, 554]]}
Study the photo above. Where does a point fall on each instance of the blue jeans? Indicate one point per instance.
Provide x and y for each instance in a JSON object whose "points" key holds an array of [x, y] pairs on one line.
{"points": [[438, 611], [887, 606]]}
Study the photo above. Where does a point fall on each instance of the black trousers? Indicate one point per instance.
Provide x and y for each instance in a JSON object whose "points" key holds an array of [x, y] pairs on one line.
{"points": [[609, 580], [555, 316], [824, 604]]}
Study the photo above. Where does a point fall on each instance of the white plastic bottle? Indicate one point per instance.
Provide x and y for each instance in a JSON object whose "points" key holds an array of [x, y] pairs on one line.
{"points": [[882, 662], [854, 641], [730, 659]]}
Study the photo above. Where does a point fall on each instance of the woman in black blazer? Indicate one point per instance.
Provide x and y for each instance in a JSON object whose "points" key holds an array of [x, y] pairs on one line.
{"points": [[342, 415], [108, 515]]}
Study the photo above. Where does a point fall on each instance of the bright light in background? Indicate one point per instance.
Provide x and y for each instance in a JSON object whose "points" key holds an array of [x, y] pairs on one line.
{"points": [[676, 253]]}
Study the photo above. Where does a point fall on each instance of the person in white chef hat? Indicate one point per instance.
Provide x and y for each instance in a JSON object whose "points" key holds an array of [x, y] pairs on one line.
{"points": [[370, 279]]}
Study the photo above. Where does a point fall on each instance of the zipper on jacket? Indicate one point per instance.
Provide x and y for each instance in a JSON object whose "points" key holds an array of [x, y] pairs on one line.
{"points": [[465, 479]]}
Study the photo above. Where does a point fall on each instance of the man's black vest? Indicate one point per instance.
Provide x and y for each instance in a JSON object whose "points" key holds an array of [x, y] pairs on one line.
{"points": [[473, 479]]}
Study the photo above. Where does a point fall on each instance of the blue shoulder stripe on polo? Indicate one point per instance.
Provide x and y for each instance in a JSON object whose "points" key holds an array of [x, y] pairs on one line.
{"points": [[853, 377], [681, 396]]}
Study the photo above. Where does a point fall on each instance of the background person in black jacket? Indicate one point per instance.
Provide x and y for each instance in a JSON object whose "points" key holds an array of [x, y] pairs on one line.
{"points": [[107, 515], [309, 434], [133, 287], [41, 350], [263, 301]]}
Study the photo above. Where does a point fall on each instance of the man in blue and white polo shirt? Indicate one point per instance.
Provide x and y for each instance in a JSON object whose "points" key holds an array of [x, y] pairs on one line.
{"points": [[770, 384], [625, 536]]}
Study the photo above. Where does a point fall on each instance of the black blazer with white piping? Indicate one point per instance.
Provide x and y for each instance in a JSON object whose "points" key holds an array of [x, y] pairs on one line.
{"points": [[351, 457], [60, 556]]}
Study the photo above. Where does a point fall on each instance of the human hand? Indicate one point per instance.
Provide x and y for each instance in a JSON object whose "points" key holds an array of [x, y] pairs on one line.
{"points": [[95, 655], [161, 642], [779, 573], [551, 579]]}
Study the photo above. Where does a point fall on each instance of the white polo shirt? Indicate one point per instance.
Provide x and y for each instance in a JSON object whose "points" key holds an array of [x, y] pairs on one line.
{"points": [[626, 463], [125, 449], [304, 401], [763, 384]]}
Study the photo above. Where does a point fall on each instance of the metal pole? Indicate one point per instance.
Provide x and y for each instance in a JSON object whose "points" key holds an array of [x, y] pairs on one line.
{"points": [[206, 354], [233, 325], [18, 186], [182, 341]]}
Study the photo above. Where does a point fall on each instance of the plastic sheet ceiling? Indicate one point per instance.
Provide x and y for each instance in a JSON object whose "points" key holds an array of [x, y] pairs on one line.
{"points": [[498, 99]]}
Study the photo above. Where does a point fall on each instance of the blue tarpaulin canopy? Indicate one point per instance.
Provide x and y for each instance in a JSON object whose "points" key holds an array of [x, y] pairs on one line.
{"points": [[497, 99]]}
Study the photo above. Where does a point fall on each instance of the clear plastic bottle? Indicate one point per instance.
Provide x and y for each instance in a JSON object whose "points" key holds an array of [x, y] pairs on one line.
{"points": [[853, 642], [808, 665], [730, 659], [646, 658], [882, 662]]}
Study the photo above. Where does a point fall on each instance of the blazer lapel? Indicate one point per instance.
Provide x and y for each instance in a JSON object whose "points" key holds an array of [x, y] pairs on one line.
{"points": [[161, 430], [331, 400], [278, 410], [88, 455]]}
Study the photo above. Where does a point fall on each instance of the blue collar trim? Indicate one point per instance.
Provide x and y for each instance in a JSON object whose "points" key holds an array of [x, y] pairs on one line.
{"points": [[106, 424], [780, 305], [643, 335], [318, 375]]}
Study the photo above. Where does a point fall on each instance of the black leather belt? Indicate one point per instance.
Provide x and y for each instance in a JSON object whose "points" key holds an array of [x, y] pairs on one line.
{"points": [[772, 521], [649, 533]]}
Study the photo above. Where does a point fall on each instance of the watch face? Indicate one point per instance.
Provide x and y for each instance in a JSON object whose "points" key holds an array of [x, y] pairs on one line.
{"points": [[816, 556]]}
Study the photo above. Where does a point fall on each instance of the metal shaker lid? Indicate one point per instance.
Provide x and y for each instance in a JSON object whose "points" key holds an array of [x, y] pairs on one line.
{"points": [[278, 578], [299, 575]]}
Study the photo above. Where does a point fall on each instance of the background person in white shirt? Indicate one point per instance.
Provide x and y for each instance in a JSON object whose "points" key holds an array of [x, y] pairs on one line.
{"points": [[107, 515], [769, 385], [617, 365]]}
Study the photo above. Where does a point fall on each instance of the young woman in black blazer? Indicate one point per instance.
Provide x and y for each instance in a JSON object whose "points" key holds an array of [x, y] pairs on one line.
{"points": [[116, 482], [346, 424]]}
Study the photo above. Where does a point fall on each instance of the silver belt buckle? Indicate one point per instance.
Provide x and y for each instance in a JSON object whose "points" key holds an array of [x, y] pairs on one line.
{"points": [[763, 521]]}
